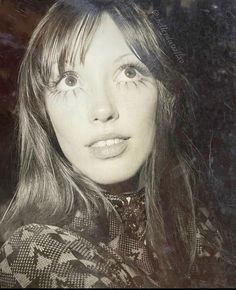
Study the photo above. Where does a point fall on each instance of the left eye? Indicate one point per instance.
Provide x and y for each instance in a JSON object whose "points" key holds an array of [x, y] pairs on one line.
{"points": [[68, 81], [127, 74], [130, 72]]}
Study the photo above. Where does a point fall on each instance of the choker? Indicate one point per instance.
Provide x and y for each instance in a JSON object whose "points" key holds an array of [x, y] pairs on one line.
{"points": [[131, 208]]}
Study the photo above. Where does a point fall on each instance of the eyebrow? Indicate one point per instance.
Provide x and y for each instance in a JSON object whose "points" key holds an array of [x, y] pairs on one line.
{"points": [[116, 60], [123, 56]]}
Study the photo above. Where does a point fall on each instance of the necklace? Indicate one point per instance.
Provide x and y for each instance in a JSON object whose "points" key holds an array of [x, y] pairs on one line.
{"points": [[131, 208]]}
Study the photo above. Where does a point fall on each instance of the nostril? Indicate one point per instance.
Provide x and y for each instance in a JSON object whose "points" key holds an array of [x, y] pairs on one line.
{"points": [[110, 118], [104, 113], [105, 118]]}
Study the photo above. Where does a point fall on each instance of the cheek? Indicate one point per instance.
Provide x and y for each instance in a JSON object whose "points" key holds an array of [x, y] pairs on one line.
{"points": [[66, 117], [142, 110], [146, 117], [141, 119], [68, 133]]}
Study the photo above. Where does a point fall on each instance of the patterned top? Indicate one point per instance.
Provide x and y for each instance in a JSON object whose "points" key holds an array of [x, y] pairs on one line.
{"points": [[96, 252]]}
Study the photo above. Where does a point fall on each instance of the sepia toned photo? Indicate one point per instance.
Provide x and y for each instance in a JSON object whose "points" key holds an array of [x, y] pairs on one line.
{"points": [[118, 144]]}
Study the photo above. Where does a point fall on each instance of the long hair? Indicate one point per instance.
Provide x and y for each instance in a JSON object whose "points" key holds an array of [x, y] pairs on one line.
{"points": [[49, 190]]}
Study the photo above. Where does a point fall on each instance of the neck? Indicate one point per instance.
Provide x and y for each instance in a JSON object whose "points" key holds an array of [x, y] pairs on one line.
{"points": [[129, 185]]}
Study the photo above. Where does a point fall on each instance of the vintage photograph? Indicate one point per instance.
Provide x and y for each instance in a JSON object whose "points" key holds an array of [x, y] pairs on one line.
{"points": [[117, 144]]}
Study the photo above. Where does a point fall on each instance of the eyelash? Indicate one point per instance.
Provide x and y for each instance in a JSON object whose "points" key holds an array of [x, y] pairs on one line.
{"points": [[140, 68], [67, 74]]}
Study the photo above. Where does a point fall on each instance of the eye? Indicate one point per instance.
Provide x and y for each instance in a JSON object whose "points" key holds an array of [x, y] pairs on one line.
{"points": [[127, 73], [68, 81], [132, 73]]}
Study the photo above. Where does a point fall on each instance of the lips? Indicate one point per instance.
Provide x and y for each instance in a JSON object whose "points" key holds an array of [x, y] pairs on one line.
{"points": [[108, 146], [109, 142], [107, 138]]}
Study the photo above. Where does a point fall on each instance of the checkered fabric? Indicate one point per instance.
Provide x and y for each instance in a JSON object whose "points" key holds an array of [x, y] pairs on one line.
{"points": [[91, 252]]}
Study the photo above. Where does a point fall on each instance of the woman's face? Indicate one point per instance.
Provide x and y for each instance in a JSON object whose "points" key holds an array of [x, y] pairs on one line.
{"points": [[103, 111]]}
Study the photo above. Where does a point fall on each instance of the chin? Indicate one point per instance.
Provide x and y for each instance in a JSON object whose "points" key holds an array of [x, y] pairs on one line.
{"points": [[112, 176]]}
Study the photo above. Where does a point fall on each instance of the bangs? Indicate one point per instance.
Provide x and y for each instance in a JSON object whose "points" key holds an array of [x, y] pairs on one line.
{"points": [[140, 37], [145, 41], [65, 33], [63, 41]]}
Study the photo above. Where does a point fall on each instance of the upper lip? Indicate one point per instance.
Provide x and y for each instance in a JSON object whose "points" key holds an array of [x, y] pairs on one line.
{"points": [[106, 137]]}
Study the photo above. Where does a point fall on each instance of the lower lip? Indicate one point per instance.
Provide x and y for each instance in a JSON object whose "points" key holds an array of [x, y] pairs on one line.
{"points": [[109, 151]]}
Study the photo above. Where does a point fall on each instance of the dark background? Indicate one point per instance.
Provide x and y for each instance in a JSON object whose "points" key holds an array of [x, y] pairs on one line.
{"points": [[205, 33]]}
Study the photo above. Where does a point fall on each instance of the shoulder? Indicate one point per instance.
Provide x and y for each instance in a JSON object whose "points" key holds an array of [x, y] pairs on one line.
{"points": [[209, 237], [28, 252], [211, 267], [46, 256]]}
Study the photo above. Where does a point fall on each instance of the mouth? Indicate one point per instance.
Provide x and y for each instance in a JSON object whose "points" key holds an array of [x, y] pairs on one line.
{"points": [[107, 143], [108, 146]]}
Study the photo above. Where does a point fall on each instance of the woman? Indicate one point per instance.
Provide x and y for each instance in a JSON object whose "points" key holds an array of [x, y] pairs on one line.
{"points": [[106, 188]]}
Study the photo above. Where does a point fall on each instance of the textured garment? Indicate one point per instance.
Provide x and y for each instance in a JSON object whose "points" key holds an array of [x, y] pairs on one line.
{"points": [[100, 252]]}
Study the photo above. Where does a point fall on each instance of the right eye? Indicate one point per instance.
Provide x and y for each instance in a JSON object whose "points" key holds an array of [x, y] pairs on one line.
{"points": [[68, 81]]}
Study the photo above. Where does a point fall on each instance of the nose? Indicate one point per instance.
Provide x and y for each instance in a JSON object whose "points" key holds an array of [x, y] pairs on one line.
{"points": [[103, 108]]}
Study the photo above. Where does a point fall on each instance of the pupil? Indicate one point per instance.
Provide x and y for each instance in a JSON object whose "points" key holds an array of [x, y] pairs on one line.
{"points": [[130, 72], [71, 81]]}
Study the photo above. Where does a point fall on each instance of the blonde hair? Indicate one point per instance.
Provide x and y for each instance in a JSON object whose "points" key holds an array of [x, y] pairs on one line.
{"points": [[49, 190]]}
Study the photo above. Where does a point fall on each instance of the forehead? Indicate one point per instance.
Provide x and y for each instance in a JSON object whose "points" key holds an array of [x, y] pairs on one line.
{"points": [[88, 41], [107, 43]]}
